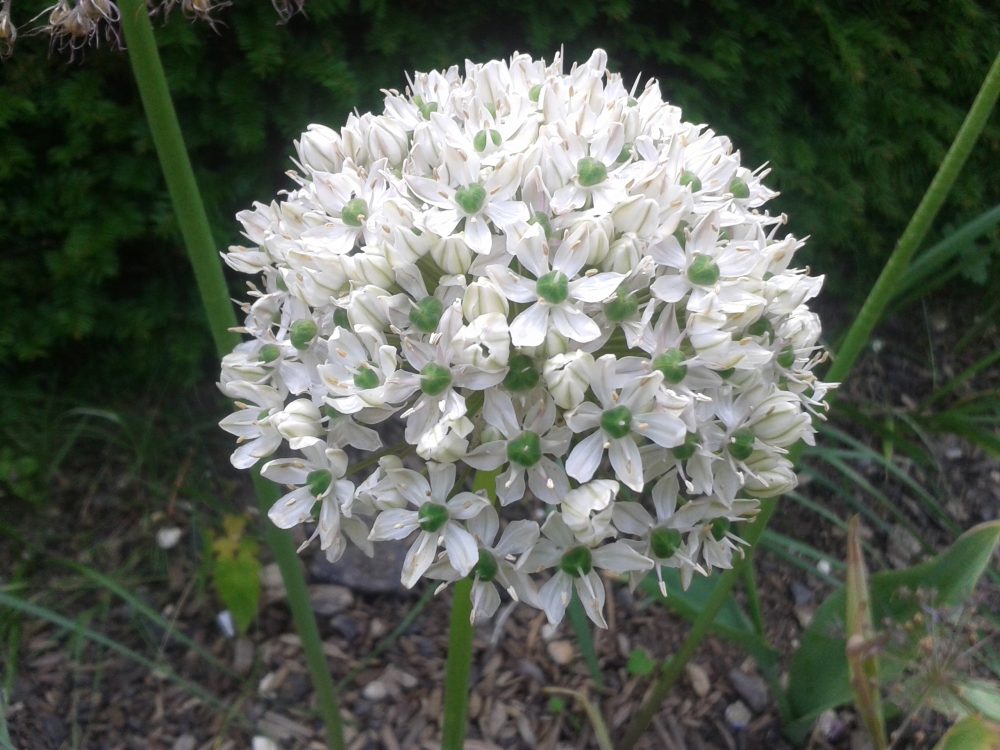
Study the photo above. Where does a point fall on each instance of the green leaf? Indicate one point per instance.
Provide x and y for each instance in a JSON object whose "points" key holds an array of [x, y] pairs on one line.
{"points": [[971, 733], [236, 572], [731, 622], [819, 675], [639, 663]]}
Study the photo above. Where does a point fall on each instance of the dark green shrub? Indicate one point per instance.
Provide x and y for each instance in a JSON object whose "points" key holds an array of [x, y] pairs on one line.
{"points": [[853, 104]]}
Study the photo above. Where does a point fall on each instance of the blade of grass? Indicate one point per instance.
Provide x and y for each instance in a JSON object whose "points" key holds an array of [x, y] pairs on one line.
{"points": [[72, 627], [585, 638]]}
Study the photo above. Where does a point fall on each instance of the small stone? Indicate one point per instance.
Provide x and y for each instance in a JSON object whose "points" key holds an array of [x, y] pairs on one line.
{"points": [[264, 743], [801, 594], [346, 627], [184, 742], [270, 578], [375, 691], [751, 688], [329, 599], [903, 547], [243, 655], [738, 715], [167, 537], [698, 678], [561, 652], [804, 615], [377, 628]]}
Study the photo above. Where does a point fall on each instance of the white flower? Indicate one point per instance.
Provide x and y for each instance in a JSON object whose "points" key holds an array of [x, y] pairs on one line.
{"points": [[524, 270], [437, 517]]}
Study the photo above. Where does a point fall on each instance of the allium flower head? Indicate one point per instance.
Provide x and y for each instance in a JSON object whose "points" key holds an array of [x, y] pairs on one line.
{"points": [[541, 275]]}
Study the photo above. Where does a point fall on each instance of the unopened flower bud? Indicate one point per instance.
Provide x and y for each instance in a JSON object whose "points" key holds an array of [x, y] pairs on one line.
{"points": [[482, 296], [568, 377], [299, 423], [388, 140]]}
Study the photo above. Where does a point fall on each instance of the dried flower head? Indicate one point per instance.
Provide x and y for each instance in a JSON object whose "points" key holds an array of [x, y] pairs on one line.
{"points": [[545, 276]]}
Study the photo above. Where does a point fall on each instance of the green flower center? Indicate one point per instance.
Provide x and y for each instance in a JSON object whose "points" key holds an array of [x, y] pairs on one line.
{"points": [[591, 172], [319, 481], [365, 377], [427, 314], [522, 375], [671, 364], [622, 307], [354, 212], [553, 287], [470, 198], [739, 188], [576, 562], [424, 107], [486, 569], [301, 333], [741, 445], [690, 179], [617, 422], [434, 379], [534, 92], [703, 271], [685, 450], [480, 140], [269, 352], [432, 517], [665, 542], [762, 327], [525, 450]]}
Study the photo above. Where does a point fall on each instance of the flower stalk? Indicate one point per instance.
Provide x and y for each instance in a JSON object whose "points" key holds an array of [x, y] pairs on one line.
{"points": [[201, 248], [457, 667]]}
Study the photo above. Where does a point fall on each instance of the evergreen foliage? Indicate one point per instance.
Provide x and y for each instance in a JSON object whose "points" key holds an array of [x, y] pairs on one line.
{"points": [[853, 104]]}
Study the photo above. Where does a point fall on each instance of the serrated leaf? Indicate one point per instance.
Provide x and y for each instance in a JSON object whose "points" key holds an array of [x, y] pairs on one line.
{"points": [[237, 580]]}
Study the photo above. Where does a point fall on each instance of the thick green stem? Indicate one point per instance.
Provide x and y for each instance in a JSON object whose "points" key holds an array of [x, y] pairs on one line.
{"points": [[895, 268], [457, 668], [672, 669], [202, 253]]}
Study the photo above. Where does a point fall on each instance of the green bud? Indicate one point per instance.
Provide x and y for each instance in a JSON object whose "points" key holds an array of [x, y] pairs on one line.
{"points": [[671, 364], [486, 569], [690, 179], [269, 353], [741, 445], [302, 332], [479, 141], [591, 172], [434, 379], [354, 212], [680, 234], [685, 450], [622, 307], [665, 542], [553, 287], [432, 517], [424, 107], [632, 102], [534, 92], [624, 155], [495, 136], [525, 450], [617, 422], [470, 198], [727, 373], [703, 271], [427, 314], [719, 528], [577, 562], [365, 378], [521, 375], [739, 188], [319, 481]]}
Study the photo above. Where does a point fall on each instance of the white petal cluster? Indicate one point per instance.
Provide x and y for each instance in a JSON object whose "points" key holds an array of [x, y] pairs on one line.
{"points": [[544, 276]]}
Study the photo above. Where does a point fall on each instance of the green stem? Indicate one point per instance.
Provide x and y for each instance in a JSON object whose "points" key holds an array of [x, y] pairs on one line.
{"points": [[201, 248], [753, 598], [457, 668], [895, 268], [672, 669]]}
